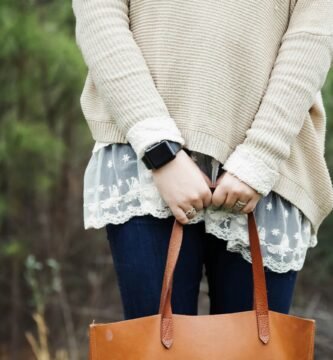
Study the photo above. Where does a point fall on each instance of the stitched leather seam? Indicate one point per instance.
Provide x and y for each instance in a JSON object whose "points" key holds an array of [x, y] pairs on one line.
{"points": [[94, 340], [311, 348]]}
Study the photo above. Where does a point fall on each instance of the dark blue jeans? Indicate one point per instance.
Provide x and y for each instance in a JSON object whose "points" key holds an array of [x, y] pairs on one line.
{"points": [[139, 250]]}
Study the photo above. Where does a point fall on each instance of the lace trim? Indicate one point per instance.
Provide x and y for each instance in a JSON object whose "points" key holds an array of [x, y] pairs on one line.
{"points": [[236, 239], [238, 242], [231, 227], [251, 170], [120, 218], [152, 130], [109, 204]]}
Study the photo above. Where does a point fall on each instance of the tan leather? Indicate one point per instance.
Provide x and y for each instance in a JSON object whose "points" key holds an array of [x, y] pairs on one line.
{"points": [[255, 334]]}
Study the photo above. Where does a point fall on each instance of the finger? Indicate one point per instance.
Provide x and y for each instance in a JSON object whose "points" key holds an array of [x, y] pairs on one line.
{"points": [[249, 206], [245, 200], [239, 198], [231, 199], [207, 198], [179, 214], [219, 196], [198, 204], [188, 208]]}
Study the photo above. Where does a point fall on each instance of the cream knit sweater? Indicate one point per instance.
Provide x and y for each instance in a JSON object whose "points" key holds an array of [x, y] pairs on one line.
{"points": [[238, 80]]}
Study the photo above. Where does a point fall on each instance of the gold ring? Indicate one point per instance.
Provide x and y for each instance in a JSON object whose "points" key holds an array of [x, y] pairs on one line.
{"points": [[239, 205], [191, 213]]}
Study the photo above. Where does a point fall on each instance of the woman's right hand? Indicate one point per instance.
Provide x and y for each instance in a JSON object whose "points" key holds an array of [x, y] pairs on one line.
{"points": [[182, 185]]}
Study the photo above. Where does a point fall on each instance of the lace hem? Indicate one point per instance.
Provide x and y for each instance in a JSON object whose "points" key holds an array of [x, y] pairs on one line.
{"points": [[93, 222], [238, 239], [118, 187], [238, 243]]}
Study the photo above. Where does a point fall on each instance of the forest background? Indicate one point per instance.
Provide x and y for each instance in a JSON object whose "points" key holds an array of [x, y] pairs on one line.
{"points": [[56, 277]]}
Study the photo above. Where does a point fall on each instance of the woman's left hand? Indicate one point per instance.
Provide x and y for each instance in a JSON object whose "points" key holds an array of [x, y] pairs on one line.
{"points": [[229, 189]]}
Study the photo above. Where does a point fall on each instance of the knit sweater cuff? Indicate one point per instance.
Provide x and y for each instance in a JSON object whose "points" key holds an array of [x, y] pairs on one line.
{"points": [[251, 170], [152, 130]]}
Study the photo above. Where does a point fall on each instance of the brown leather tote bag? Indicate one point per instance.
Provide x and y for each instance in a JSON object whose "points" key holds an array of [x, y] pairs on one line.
{"points": [[255, 334]]}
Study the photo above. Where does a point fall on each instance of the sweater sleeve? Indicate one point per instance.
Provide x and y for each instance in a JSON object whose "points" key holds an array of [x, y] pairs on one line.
{"points": [[120, 73], [299, 72]]}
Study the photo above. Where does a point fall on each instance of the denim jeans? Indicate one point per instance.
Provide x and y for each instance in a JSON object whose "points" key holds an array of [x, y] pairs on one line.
{"points": [[139, 250]]}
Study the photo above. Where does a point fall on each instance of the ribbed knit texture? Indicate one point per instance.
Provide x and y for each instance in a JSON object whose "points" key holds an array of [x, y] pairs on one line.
{"points": [[238, 80]]}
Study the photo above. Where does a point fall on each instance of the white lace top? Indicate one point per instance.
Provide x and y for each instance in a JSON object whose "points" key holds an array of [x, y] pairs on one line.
{"points": [[117, 187]]}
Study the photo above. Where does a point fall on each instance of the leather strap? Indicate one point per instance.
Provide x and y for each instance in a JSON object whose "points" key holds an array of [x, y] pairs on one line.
{"points": [[260, 303]]}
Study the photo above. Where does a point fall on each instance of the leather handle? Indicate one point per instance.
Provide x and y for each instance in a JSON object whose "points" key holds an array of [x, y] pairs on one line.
{"points": [[260, 303]]}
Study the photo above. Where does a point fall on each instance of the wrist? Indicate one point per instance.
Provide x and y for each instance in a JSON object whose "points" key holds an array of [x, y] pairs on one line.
{"points": [[160, 153]]}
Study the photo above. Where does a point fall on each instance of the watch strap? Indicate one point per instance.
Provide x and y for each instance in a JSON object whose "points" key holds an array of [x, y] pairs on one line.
{"points": [[175, 146]]}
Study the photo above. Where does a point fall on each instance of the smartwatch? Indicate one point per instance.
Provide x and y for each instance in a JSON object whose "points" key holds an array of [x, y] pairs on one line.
{"points": [[158, 154]]}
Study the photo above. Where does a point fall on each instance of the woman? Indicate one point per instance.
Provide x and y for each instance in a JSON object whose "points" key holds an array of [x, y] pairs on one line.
{"points": [[181, 92]]}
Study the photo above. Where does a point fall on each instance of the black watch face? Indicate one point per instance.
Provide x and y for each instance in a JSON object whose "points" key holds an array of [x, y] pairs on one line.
{"points": [[161, 154]]}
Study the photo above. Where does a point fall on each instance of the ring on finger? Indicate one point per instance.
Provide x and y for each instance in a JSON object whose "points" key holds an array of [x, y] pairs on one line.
{"points": [[239, 205], [191, 213]]}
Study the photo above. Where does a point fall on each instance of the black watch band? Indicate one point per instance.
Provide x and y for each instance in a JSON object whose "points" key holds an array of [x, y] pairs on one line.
{"points": [[160, 153]]}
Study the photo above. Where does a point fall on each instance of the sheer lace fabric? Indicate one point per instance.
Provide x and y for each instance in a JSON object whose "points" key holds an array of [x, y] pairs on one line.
{"points": [[117, 187]]}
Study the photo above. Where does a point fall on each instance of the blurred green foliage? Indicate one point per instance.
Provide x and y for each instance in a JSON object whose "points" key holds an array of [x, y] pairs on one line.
{"points": [[44, 146]]}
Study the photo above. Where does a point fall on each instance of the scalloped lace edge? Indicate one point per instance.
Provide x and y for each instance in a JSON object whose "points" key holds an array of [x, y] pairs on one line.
{"points": [[237, 240]]}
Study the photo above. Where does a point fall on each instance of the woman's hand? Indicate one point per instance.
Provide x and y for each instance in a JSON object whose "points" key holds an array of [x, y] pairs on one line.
{"points": [[182, 186], [229, 189]]}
